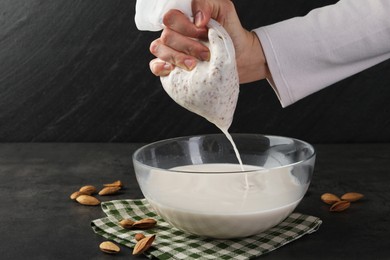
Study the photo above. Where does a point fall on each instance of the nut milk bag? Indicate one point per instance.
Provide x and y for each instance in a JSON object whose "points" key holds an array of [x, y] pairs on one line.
{"points": [[211, 88]]}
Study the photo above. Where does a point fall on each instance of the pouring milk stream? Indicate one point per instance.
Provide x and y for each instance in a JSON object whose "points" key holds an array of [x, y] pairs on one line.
{"points": [[211, 88]]}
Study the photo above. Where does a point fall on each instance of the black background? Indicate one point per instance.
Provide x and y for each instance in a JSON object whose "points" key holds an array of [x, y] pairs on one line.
{"points": [[78, 71]]}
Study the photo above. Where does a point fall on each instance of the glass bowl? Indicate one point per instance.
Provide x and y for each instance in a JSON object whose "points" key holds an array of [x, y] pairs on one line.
{"points": [[196, 184]]}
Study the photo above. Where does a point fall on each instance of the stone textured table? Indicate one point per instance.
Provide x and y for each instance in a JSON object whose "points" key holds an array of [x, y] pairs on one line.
{"points": [[39, 221]]}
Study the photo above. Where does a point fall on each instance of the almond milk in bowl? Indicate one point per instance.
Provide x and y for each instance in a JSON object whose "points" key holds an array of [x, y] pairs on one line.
{"points": [[196, 184]]}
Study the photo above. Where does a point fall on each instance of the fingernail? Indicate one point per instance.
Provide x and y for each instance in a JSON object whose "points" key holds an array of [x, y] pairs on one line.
{"points": [[190, 64], [205, 56], [198, 18], [167, 66]]}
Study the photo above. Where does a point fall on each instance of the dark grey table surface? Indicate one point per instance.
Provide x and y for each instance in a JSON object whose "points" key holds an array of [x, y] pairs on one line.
{"points": [[39, 221]]}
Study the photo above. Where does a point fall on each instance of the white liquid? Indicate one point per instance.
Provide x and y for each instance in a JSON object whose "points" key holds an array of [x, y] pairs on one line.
{"points": [[229, 137], [215, 204]]}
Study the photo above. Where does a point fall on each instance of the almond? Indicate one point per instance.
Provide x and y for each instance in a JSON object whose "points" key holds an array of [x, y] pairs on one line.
{"points": [[75, 194], [329, 198], [144, 223], [139, 236], [126, 223], [143, 245], [352, 196], [117, 183], [87, 200], [340, 206], [109, 247], [109, 191], [88, 189]]}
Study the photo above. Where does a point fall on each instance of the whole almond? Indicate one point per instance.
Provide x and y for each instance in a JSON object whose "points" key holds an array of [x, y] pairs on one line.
{"points": [[329, 198], [143, 245], [109, 191], [88, 189], [340, 206], [126, 223], [139, 236], [109, 247], [75, 194], [117, 183], [352, 196], [87, 200], [144, 223]]}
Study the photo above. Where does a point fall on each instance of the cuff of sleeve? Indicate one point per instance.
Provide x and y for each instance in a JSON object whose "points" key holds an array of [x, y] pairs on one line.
{"points": [[278, 82]]}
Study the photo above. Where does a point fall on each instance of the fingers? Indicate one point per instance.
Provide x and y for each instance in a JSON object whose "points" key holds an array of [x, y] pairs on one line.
{"points": [[202, 13], [180, 23], [219, 10], [172, 56], [179, 43], [184, 44], [179, 50]]}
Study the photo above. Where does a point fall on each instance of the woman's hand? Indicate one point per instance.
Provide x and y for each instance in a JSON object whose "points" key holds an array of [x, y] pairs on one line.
{"points": [[179, 45]]}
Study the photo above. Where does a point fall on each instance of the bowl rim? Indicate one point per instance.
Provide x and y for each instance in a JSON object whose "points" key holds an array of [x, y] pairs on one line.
{"points": [[225, 172]]}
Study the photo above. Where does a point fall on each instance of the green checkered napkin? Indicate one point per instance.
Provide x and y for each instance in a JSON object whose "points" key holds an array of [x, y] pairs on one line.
{"points": [[172, 243]]}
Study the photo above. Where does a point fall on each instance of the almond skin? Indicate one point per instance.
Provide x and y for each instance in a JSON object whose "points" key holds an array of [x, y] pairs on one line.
{"points": [[329, 198], [75, 194], [144, 223], [126, 223], [340, 206], [117, 183], [87, 200], [109, 247], [88, 189], [352, 196], [109, 191], [143, 245], [139, 236]]}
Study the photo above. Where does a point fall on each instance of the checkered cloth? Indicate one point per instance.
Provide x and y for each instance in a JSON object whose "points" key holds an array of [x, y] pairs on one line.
{"points": [[172, 243]]}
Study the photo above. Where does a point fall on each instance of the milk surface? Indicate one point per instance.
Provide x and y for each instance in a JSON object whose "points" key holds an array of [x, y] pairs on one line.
{"points": [[199, 202]]}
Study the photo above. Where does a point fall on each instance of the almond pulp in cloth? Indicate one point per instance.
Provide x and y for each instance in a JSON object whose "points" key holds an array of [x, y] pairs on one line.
{"points": [[211, 88]]}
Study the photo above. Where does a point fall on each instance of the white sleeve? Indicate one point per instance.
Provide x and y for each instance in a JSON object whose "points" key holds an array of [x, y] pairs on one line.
{"points": [[306, 54]]}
